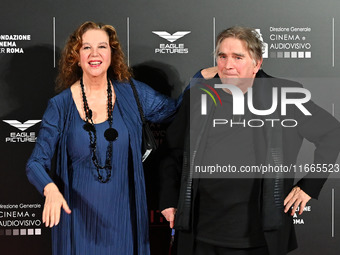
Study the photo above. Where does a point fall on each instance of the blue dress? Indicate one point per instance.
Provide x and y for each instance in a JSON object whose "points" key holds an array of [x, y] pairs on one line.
{"points": [[100, 211], [105, 217]]}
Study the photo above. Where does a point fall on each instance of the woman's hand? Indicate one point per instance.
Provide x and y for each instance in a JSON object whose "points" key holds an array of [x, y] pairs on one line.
{"points": [[54, 200], [169, 215]]}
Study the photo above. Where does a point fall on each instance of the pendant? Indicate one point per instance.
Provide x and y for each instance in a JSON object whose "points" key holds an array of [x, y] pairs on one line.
{"points": [[111, 134]]}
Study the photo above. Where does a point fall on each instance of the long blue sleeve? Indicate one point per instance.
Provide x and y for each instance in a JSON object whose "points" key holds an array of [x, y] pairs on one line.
{"points": [[40, 161], [156, 106]]}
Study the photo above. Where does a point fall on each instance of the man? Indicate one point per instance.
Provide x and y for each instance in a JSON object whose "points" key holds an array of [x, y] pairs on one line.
{"points": [[251, 215]]}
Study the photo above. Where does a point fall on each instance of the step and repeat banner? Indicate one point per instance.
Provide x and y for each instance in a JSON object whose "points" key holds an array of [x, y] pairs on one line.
{"points": [[165, 43]]}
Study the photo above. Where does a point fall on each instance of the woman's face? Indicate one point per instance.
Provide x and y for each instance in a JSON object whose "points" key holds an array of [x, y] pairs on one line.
{"points": [[95, 53]]}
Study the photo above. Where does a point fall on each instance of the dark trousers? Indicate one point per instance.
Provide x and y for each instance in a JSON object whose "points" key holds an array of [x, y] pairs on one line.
{"points": [[202, 248]]}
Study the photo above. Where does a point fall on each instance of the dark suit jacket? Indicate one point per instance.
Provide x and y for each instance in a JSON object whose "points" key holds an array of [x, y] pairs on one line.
{"points": [[179, 189]]}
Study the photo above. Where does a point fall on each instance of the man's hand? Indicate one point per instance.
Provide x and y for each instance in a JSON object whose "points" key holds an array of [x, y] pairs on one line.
{"points": [[298, 198], [169, 215], [53, 202]]}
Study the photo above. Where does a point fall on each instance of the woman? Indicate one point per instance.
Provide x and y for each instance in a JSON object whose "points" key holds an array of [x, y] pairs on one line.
{"points": [[94, 127]]}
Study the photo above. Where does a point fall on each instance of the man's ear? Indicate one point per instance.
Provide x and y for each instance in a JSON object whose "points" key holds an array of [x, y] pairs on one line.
{"points": [[258, 65]]}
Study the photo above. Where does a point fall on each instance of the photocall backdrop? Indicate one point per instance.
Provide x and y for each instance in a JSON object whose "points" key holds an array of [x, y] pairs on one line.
{"points": [[302, 41]]}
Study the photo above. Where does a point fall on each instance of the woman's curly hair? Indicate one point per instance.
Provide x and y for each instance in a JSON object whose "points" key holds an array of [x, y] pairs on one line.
{"points": [[70, 72]]}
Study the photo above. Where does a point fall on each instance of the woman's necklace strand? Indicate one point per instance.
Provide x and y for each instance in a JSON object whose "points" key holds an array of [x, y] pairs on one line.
{"points": [[110, 134]]}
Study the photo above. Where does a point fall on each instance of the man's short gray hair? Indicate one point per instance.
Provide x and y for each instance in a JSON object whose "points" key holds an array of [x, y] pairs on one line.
{"points": [[245, 34]]}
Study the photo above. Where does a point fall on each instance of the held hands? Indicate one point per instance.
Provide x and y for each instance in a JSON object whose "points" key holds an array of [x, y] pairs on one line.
{"points": [[53, 202], [169, 215], [298, 198]]}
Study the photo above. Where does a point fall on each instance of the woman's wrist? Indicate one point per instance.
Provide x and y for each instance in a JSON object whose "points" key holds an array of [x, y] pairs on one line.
{"points": [[50, 188]]}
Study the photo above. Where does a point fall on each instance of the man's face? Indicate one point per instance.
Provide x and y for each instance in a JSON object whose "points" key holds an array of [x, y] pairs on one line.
{"points": [[234, 60]]}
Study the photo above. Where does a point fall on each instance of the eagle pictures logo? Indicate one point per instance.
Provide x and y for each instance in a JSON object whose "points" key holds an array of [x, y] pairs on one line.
{"points": [[21, 137], [171, 48]]}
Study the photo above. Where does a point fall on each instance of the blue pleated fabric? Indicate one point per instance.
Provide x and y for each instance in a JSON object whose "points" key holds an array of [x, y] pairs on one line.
{"points": [[101, 222], [101, 215]]}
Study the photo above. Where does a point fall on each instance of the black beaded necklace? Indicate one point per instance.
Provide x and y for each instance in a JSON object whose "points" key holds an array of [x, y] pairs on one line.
{"points": [[110, 134]]}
